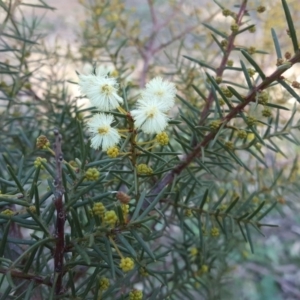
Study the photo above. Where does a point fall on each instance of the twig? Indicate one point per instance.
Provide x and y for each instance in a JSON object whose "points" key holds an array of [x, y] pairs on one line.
{"points": [[196, 152], [27, 276], [60, 214], [149, 50], [221, 68]]}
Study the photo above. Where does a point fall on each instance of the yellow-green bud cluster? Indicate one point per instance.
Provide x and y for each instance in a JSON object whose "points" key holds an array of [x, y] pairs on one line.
{"points": [[224, 43], [110, 218], [252, 29], [251, 50], [125, 209], [113, 152], [136, 295], [73, 164], [218, 79], [251, 121], [188, 212], [234, 27], [266, 112], [103, 283], [193, 251], [114, 73], [126, 264], [222, 207], [241, 134], [263, 97], [229, 145], [251, 72], [143, 272], [260, 9], [280, 61], [214, 125], [7, 212], [226, 12], [32, 208], [226, 92], [42, 142], [204, 269], [80, 116], [92, 174], [98, 209], [144, 169], [230, 63], [214, 232], [162, 138], [221, 102], [38, 162]]}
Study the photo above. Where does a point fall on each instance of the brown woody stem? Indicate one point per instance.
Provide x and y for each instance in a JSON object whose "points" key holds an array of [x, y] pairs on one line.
{"points": [[220, 70], [60, 214], [197, 150]]}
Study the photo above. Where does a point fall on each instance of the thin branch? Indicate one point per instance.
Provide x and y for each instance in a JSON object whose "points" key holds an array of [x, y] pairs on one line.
{"points": [[60, 214], [196, 152], [221, 68], [27, 276]]}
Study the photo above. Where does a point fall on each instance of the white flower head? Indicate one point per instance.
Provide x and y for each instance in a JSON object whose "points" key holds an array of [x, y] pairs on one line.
{"points": [[162, 91], [149, 116], [103, 134], [101, 90]]}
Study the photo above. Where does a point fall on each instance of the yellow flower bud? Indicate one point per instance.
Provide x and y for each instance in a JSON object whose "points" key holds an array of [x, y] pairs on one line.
{"points": [[126, 264], [229, 145], [143, 272], [8, 212], [188, 212], [42, 142], [32, 208], [215, 232], [125, 209], [144, 169], [98, 209], [204, 269], [193, 251], [38, 162], [110, 218], [92, 174], [162, 138], [136, 295], [113, 151], [103, 283], [241, 134]]}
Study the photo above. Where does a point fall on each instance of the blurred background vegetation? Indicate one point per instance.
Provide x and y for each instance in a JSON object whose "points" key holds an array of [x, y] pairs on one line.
{"points": [[137, 40]]}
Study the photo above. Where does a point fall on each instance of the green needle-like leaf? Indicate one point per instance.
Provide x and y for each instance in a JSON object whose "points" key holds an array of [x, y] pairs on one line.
{"points": [[253, 64], [292, 31]]}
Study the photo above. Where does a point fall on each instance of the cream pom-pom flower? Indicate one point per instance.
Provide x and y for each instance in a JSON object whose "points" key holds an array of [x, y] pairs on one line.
{"points": [[161, 91], [103, 134], [149, 116], [100, 89]]}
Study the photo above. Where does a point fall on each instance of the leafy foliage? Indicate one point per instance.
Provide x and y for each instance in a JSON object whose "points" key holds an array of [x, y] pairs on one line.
{"points": [[160, 220]]}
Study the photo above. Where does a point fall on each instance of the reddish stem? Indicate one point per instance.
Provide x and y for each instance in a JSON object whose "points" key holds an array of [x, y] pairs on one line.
{"points": [[197, 150], [220, 70]]}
